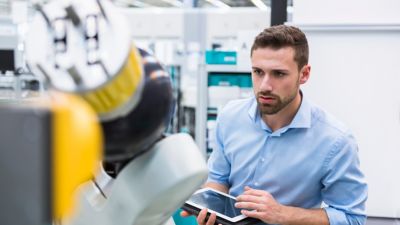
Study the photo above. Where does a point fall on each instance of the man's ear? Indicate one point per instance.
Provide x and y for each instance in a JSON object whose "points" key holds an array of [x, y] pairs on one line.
{"points": [[305, 74]]}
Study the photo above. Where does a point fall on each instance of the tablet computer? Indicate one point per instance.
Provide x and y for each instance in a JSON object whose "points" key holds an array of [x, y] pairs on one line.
{"points": [[223, 205]]}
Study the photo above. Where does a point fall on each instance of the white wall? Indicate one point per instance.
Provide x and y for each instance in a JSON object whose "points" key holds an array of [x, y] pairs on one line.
{"points": [[356, 77], [154, 22], [355, 59], [169, 22], [225, 24], [346, 11]]}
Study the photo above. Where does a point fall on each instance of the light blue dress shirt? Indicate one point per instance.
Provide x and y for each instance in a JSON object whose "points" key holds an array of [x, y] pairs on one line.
{"points": [[312, 160]]}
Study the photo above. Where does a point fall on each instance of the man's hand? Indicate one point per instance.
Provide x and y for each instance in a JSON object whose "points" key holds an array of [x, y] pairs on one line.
{"points": [[261, 205], [201, 218]]}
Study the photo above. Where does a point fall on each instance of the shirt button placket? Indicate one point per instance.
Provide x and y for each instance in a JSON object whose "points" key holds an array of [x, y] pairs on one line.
{"points": [[261, 166]]}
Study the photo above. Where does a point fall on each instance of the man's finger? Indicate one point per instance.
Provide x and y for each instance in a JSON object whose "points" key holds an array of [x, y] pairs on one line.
{"points": [[202, 217], [249, 198], [248, 205], [255, 192], [211, 219], [185, 213], [253, 214]]}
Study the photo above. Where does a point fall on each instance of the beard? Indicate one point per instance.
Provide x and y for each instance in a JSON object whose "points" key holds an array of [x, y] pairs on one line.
{"points": [[278, 105]]}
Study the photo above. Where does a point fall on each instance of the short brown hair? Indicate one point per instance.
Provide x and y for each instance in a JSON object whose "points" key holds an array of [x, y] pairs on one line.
{"points": [[284, 36]]}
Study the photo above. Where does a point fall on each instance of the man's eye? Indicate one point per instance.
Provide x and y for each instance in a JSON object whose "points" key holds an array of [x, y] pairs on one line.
{"points": [[257, 72], [279, 74]]}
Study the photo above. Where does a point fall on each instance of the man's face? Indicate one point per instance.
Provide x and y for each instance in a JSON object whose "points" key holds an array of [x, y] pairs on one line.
{"points": [[276, 78]]}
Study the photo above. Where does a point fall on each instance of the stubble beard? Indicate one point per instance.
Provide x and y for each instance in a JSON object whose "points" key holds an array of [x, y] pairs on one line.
{"points": [[271, 109]]}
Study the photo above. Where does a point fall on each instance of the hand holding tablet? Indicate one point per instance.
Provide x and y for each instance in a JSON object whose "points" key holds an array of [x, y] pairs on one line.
{"points": [[223, 205]]}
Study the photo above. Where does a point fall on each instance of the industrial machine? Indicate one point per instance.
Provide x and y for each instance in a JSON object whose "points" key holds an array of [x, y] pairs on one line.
{"points": [[83, 48], [48, 148]]}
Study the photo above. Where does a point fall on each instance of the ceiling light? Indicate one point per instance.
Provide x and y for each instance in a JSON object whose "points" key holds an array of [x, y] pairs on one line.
{"points": [[259, 4], [135, 3], [175, 3], [219, 4]]}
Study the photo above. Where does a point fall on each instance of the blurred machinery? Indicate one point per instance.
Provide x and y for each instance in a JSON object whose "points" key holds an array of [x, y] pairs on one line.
{"points": [[48, 148], [83, 48]]}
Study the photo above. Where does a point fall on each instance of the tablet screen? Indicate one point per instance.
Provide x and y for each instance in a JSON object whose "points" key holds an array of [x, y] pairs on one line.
{"points": [[216, 202]]}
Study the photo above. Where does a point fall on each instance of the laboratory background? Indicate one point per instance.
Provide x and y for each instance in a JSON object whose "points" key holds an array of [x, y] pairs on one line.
{"points": [[108, 108]]}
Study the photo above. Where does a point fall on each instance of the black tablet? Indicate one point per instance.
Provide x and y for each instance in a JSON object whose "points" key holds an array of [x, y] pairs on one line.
{"points": [[223, 205]]}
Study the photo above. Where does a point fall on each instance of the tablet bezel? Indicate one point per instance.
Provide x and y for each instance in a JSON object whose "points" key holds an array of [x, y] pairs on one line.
{"points": [[230, 219]]}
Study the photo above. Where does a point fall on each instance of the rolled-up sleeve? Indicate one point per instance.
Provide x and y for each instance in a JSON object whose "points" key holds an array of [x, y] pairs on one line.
{"points": [[344, 188], [218, 165]]}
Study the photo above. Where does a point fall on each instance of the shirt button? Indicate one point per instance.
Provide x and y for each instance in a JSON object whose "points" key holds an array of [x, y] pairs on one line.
{"points": [[262, 159], [256, 183]]}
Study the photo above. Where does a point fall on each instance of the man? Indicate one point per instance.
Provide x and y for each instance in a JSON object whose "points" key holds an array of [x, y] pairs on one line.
{"points": [[281, 155]]}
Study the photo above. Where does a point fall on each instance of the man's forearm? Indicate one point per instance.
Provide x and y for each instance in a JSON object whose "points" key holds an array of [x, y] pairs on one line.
{"points": [[217, 186], [300, 216]]}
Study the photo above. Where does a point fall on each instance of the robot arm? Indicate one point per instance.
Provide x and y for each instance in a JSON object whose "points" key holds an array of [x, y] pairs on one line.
{"points": [[83, 47]]}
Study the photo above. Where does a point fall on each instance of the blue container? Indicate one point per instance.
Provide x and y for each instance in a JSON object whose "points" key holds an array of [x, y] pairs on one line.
{"points": [[221, 58], [242, 80]]}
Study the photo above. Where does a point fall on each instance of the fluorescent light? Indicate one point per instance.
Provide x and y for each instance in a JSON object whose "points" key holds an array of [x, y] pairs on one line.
{"points": [[219, 4], [136, 3], [175, 3], [140, 4], [259, 4]]}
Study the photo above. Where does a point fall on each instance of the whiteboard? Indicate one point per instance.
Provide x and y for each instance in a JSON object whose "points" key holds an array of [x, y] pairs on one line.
{"points": [[355, 75]]}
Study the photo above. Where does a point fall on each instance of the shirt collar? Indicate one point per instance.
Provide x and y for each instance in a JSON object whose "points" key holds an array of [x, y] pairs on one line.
{"points": [[302, 119], [253, 110]]}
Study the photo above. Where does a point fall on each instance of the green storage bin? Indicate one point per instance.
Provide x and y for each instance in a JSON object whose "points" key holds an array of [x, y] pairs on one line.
{"points": [[221, 57], [242, 80]]}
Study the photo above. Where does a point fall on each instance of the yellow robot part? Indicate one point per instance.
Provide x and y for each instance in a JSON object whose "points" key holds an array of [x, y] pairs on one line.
{"points": [[120, 90], [77, 148]]}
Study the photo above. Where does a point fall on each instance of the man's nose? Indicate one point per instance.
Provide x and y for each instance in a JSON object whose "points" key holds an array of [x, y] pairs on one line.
{"points": [[266, 83]]}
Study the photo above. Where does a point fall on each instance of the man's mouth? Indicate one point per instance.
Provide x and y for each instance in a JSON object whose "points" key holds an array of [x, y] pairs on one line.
{"points": [[266, 99]]}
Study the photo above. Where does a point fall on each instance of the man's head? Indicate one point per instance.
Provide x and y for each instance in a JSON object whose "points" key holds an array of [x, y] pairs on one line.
{"points": [[280, 36], [279, 58]]}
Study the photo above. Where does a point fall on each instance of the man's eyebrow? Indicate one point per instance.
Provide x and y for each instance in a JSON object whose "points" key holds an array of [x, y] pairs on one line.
{"points": [[281, 70], [277, 69]]}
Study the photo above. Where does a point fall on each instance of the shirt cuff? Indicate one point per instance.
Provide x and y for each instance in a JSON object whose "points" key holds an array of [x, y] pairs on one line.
{"points": [[336, 217]]}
